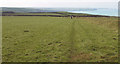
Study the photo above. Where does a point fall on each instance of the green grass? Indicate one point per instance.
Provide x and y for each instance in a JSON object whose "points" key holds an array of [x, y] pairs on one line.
{"points": [[59, 39], [31, 13], [48, 13]]}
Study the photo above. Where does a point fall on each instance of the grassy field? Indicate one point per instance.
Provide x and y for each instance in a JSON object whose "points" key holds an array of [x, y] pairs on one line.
{"points": [[59, 39], [54, 14], [31, 13]]}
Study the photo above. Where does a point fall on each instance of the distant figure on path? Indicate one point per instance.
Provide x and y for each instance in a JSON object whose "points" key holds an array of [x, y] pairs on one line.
{"points": [[71, 17]]}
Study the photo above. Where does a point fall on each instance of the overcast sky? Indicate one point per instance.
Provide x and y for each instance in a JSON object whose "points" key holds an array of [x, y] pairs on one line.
{"points": [[60, 3]]}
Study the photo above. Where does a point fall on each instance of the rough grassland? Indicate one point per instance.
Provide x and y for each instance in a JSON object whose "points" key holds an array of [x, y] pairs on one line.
{"points": [[59, 39]]}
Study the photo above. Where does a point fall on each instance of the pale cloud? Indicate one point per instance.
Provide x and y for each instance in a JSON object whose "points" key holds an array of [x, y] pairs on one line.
{"points": [[59, 0], [60, 3]]}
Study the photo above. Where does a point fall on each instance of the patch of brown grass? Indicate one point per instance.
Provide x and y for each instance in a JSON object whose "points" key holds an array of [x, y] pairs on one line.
{"points": [[81, 57]]}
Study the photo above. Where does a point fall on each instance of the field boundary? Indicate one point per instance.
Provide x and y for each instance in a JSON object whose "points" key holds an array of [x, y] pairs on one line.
{"points": [[0, 36], [58, 15]]}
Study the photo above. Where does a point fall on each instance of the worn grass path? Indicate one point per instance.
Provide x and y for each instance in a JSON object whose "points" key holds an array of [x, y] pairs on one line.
{"points": [[91, 42], [57, 39]]}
